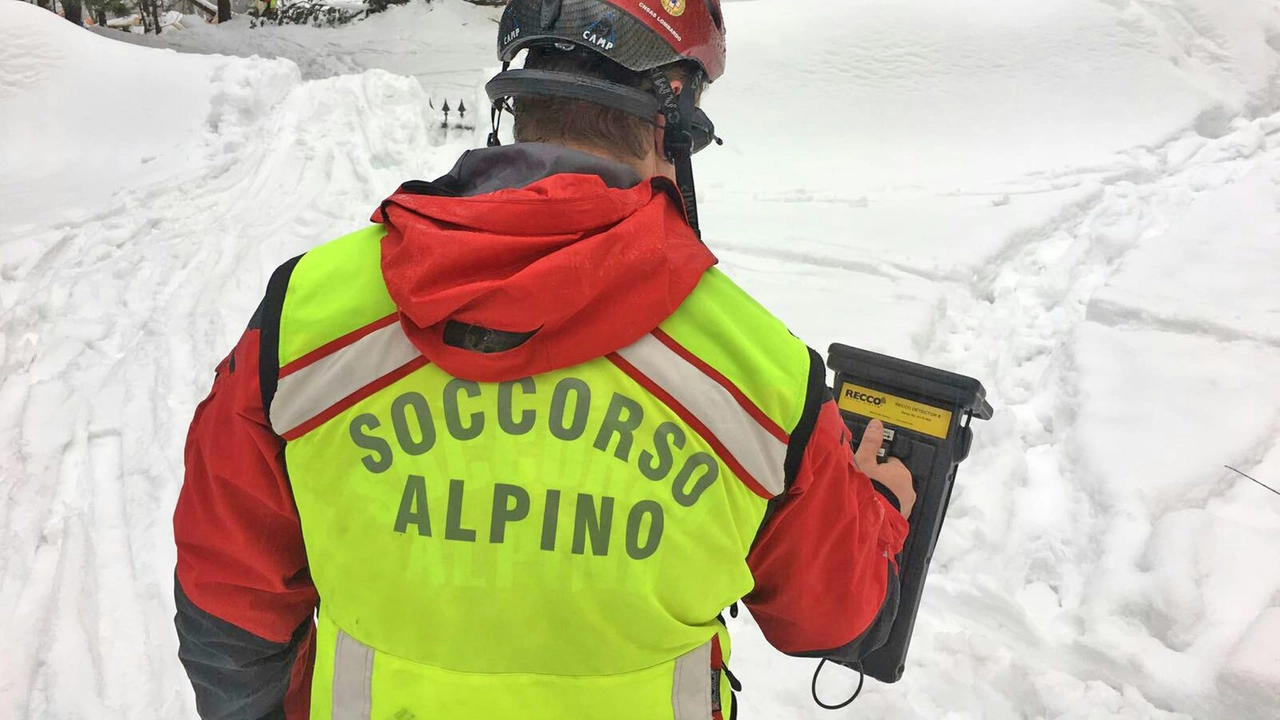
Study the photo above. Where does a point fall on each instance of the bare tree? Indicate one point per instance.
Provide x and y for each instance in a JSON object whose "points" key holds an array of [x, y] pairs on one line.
{"points": [[224, 10], [149, 10], [103, 10], [73, 12], [145, 16]]}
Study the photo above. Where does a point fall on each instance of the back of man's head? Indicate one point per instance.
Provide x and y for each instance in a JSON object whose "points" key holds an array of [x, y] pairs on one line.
{"points": [[582, 124]]}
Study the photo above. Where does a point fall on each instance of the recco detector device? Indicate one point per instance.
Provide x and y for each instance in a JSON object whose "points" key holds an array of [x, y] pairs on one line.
{"points": [[926, 414]]}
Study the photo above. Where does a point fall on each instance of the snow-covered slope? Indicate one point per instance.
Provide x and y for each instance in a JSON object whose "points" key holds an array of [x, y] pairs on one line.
{"points": [[939, 93], [1073, 200], [84, 117], [441, 43]]}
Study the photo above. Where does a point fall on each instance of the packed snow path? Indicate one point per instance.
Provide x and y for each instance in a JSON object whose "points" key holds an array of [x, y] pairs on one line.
{"points": [[1102, 250]]}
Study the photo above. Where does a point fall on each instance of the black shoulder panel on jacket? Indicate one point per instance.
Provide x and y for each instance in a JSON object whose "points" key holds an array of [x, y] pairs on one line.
{"points": [[267, 320], [236, 674], [816, 394]]}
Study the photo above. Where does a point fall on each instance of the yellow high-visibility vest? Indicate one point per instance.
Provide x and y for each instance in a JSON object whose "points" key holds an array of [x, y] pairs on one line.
{"points": [[554, 547]]}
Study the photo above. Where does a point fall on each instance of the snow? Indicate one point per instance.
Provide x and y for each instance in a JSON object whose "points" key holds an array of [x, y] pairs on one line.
{"points": [[1230, 295], [1072, 200], [143, 110], [941, 92], [1253, 673], [448, 45]]}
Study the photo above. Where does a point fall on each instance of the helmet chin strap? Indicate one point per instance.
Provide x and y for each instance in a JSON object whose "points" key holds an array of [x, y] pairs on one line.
{"points": [[684, 181], [495, 112], [678, 109]]}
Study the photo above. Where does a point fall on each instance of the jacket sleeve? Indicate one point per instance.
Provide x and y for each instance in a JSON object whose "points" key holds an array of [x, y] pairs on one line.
{"points": [[244, 597], [824, 560]]}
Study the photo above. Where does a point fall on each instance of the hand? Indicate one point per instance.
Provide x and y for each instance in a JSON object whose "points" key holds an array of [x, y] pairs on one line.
{"points": [[892, 474]]}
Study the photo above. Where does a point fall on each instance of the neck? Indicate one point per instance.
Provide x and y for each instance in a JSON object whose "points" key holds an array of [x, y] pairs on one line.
{"points": [[647, 167]]}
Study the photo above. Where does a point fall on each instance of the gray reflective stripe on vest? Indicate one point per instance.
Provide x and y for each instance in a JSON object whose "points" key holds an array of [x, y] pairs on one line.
{"points": [[758, 451], [691, 685], [304, 394], [352, 679]]}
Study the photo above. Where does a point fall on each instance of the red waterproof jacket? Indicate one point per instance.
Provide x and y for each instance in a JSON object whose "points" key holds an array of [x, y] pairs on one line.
{"points": [[594, 258]]}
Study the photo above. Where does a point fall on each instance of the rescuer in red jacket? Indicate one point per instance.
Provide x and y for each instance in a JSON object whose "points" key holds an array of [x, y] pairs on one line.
{"points": [[574, 248]]}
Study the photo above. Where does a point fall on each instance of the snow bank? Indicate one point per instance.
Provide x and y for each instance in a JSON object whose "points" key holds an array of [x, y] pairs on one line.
{"points": [[441, 43], [84, 116]]}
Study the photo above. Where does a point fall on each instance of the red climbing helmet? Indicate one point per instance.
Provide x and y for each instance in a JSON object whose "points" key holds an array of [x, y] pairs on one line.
{"points": [[640, 35]]}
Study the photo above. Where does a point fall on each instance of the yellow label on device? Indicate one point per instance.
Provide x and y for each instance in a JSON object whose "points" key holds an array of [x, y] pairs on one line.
{"points": [[895, 410]]}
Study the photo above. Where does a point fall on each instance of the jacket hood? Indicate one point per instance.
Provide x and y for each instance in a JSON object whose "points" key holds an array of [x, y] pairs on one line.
{"points": [[572, 250]]}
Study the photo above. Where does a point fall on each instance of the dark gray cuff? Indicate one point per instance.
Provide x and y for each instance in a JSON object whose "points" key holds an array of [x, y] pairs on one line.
{"points": [[236, 674]]}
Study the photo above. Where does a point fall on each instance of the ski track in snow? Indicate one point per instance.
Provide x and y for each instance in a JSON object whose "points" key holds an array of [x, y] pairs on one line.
{"points": [[1017, 325], [111, 321], [1013, 325], [111, 333]]}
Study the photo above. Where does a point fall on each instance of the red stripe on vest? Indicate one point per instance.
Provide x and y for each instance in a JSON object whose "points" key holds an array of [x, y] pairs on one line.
{"points": [[345, 403], [692, 421], [752, 409], [334, 346]]}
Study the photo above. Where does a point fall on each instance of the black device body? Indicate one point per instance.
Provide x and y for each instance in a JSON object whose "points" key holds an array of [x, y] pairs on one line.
{"points": [[926, 413]]}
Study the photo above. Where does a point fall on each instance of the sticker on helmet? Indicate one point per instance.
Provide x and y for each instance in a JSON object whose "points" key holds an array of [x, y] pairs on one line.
{"points": [[600, 33], [674, 8], [666, 5], [514, 33]]}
